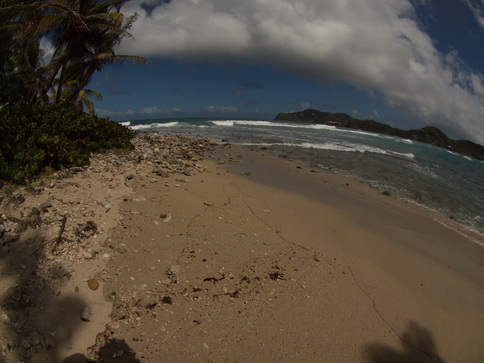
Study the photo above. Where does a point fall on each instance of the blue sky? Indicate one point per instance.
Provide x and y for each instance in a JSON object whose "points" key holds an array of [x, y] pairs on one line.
{"points": [[406, 63]]}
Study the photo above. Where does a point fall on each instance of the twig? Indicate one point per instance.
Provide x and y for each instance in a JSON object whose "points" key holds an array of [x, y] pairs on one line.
{"points": [[61, 231]]}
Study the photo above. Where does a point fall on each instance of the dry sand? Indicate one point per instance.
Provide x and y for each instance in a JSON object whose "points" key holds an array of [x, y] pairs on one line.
{"points": [[257, 260]]}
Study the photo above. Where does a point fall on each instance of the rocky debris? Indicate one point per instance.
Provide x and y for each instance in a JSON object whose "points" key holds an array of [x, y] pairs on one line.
{"points": [[58, 222]]}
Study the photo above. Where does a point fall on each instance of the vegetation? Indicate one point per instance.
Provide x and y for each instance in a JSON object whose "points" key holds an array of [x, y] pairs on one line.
{"points": [[429, 134], [42, 119], [46, 134]]}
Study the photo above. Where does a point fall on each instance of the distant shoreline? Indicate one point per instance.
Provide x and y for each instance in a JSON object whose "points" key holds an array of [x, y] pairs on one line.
{"points": [[429, 135]]}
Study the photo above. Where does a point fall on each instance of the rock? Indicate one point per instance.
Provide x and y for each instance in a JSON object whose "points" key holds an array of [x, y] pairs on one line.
{"points": [[149, 301], [174, 270], [26, 343], [34, 339], [2, 231], [60, 272], [121, 250], [86, 314], [44, 207], [105, 204], [161, 173], [129, 176], [209, 204], [19, 198], [93, 284], [166, 217], [76, 169]]}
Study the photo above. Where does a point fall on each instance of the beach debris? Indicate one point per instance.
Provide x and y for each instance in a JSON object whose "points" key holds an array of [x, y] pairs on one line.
{"points": [[105, 204], [276, 276], [93, 284], [214, 279], [167, 300], [208, 204], [165, 216], [86, 230], [86, 314], [58, 240]]}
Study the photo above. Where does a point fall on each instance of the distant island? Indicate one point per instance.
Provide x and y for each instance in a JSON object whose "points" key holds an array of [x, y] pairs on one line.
{"points": [[429, 134]]}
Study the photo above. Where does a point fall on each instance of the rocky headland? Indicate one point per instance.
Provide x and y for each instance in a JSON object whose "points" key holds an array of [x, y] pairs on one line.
{"points": [[429, 134]]}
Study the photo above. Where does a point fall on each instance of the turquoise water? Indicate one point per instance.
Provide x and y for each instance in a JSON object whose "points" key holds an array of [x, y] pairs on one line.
{"points": [[446, 182]]}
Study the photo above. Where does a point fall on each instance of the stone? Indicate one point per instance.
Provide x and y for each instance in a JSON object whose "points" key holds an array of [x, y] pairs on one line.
{"points": [[86, 314], [121, 250], [166, 217], [149, 301], [44, 207], [105, 204], [60, 272], [161, 172], [175, 270], [93, 284]]}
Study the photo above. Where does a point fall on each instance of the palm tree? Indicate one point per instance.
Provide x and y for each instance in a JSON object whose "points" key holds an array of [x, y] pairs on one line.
{"points": [[82, 100], [84, 34]]}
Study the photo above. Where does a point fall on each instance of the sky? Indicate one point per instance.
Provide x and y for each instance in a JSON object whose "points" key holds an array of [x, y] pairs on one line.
{"points": [[408, 63]]}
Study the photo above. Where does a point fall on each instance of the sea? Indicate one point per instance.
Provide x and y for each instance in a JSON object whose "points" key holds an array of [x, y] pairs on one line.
{"points": [[447, 183]]}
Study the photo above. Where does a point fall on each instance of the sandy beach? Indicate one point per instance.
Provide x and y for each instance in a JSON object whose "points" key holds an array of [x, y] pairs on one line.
{"points": [[244, 257]]}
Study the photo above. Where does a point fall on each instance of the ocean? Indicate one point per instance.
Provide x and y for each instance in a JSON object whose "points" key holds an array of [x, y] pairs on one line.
{"points": [[450, 184]]}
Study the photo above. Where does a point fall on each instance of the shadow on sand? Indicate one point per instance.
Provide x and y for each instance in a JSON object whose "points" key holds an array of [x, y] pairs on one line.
{"points": [[417, 345], [36, 318], [113, 350]]}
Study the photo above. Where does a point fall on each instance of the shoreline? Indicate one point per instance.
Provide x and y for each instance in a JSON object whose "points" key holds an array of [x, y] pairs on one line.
{"points": [[250, 258]]}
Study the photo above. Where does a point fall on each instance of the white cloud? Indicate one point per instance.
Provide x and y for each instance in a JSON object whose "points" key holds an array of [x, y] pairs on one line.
{"points": [[222, 109], [156, 110], [107, 113], [375, 45], [477, 9]]}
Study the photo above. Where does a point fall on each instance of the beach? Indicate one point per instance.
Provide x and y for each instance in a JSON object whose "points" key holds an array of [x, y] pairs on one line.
{"points": [[236, 256]]}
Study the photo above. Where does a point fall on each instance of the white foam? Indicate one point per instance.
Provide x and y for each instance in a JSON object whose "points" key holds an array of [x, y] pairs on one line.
{"points": [[153, 126], [231, 123], [126, 123], [346, 147], [223, 123]]}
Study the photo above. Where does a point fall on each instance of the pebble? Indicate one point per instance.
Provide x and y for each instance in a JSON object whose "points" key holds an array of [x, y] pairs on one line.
{"points": [[175, 270], [105, 204], [86, 314], [93, 284], [166, 217]]}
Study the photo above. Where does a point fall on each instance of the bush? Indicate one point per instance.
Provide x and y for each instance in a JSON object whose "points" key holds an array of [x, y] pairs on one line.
{"points": [[36, 136]]}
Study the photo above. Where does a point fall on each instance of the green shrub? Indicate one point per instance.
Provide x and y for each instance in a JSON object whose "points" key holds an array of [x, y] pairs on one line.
{"points": [[36, 136]]}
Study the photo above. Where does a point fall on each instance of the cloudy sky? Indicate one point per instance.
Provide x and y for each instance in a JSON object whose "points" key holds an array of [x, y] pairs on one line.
{"points": [[406, 63]]}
